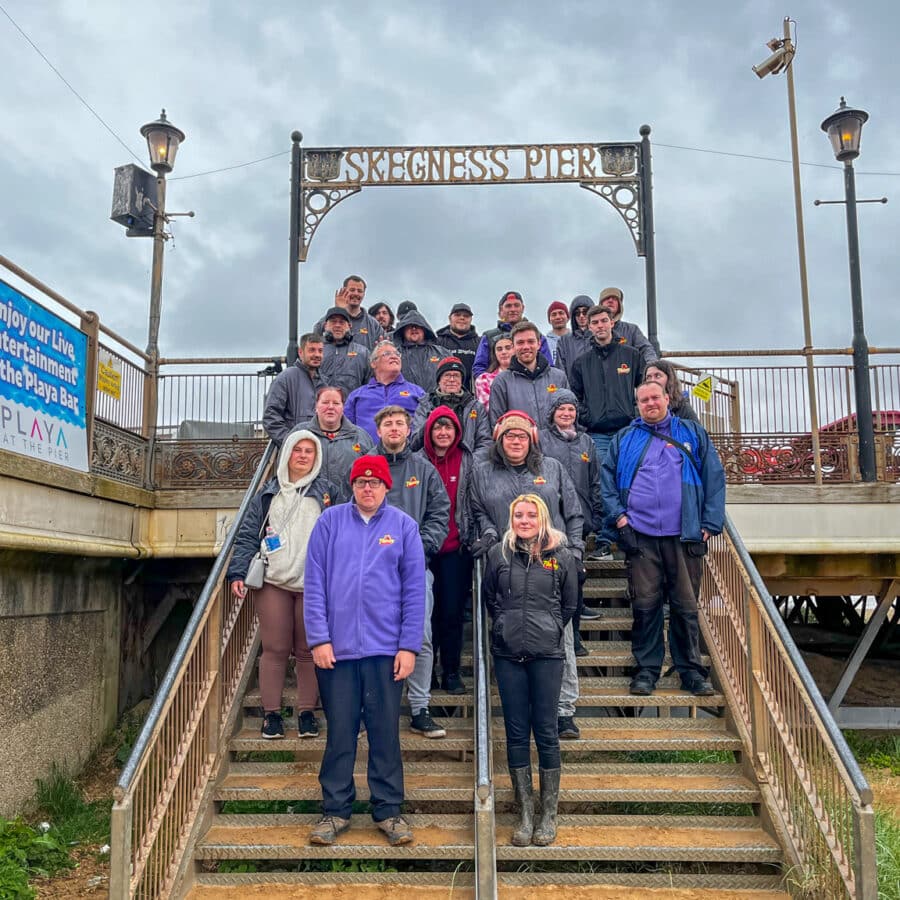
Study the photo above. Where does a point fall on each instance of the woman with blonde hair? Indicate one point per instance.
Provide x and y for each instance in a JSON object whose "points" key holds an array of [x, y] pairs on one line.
{"points": [[530, 589]]}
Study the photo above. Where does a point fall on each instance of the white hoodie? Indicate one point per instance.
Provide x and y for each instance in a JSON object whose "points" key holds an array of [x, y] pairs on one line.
{"points": [[291, 522]]}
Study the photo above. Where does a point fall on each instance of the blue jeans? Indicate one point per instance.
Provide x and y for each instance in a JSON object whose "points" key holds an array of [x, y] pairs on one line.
{"points": [[361, 689], [602, 442], [529, 694]]}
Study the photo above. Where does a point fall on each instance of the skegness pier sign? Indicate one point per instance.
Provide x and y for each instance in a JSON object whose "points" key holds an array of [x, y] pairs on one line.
{"points": [[510, 164], [328, 175]]}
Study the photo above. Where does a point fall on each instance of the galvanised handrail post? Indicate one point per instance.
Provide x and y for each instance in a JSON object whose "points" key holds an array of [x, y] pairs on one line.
{"points": [[485, 830]]}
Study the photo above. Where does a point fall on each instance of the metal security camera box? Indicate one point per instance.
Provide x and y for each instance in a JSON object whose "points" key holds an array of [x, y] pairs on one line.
{"points": [[134, 199]]}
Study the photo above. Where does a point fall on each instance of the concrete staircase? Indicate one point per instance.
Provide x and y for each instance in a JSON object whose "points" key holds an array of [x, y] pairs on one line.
{"points": [[655, 801]]}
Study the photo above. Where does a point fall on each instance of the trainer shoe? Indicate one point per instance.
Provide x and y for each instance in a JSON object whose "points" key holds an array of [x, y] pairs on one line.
{"points": [[307, 726], [453, 684], [567, 729], [397, 829], [423, 724], [326, 830], [273, 727], [602, 552], [588, 612], [698, 686]]}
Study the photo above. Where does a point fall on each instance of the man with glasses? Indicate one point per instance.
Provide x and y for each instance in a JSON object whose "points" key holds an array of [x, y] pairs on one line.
{"points": [[361, 670], [386, 387]]}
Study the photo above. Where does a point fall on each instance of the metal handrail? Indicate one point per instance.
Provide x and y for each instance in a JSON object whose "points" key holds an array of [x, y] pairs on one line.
{"points": [[817, 799], [845, 754], [485, 832], [150, 723]]}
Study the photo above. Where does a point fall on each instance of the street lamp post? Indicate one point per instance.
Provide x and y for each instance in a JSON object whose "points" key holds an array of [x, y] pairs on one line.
{"points": [[163, 140], [844, 129]]}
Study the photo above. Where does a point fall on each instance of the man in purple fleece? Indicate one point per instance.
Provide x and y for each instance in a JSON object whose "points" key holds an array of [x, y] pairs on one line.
{"points": [[364, 624]]}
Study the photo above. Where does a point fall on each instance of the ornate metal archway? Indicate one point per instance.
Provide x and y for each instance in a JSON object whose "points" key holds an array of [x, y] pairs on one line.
{"points": [[619, 173]]}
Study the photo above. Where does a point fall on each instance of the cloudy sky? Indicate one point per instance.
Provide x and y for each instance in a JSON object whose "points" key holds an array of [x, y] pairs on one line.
{"points": [[238, 78]]}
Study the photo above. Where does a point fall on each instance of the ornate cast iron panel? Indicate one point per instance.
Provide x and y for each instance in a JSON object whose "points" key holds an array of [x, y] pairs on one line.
{"points": [[117, 454], [612, 171], [223, 463], [782, 458]]}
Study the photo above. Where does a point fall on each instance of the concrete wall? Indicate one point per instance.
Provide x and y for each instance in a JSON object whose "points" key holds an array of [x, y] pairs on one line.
{"points": [[60, 627]]}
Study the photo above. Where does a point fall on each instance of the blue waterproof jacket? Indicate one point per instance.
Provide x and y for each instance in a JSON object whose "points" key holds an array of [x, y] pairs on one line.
{"points": [[702, 482]]}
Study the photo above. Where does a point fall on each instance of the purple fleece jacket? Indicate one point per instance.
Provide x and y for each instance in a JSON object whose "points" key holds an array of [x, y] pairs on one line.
{"points": [[365, 401], [654, 501], [364, 585]]}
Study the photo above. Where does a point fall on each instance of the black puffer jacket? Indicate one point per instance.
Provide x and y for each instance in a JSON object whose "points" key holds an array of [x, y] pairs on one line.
{"points": [[530, 601]]}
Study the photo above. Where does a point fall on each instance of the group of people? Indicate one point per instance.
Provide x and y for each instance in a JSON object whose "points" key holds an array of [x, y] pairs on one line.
{"points": [[407, 454]]}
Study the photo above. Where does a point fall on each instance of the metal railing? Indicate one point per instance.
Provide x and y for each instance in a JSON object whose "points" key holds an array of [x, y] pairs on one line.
{"points": [[121, 402], [485, 835], [813, 787], [162, 788]]}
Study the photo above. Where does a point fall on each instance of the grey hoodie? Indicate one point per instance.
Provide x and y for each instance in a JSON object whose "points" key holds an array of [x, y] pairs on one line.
{"points": [[419, 361]]}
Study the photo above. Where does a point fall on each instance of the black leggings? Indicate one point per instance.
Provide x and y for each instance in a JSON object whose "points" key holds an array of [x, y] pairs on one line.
{"points": [[529, 693], [452, 579]]}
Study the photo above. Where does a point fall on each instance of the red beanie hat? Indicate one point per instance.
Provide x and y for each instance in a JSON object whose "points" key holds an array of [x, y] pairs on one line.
{"points": [[557, 304], [371, 467]]}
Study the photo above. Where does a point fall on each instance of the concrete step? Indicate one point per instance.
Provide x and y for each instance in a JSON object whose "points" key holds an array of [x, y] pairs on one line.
{"points": [[622, 735], [287, 837], [459, 737], [511, 886], [300, 781]]}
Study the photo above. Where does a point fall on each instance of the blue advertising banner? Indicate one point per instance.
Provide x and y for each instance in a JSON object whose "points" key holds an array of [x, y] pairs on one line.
{"points": [[43, 361]]}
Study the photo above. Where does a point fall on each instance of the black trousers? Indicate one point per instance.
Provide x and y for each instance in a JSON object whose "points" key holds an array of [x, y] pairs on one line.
{"points": [[452, 579], [354, 690], [529, 694], [661, 571]]}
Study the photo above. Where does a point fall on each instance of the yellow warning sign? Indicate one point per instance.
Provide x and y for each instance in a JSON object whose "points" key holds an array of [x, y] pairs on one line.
{"points": [[109, 379], [703, 389]]}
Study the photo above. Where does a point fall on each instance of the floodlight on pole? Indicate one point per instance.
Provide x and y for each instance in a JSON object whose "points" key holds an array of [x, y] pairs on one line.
{"points": [[782, 60]]}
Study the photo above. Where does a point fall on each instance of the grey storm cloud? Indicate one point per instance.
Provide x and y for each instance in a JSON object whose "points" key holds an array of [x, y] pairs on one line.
{"points": [[239, 79]]}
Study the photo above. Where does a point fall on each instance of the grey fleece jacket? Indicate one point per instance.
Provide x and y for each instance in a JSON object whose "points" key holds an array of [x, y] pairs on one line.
{"points": [[531, 392], [291, 400], [340, 449], [418, 490], [495, 484], [345, 363], [629, 333], [476, 429], [419, 361]]}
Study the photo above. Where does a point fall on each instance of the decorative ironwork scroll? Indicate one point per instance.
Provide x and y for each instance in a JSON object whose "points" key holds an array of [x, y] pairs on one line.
{"points": [[211, 464], [612, 171], [118, 454]]}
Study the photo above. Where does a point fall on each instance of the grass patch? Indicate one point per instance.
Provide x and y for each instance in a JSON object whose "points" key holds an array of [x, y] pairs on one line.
{"points": [[881, 752], [72, 820], [887, 852], [25, 852], [679, 756]]}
